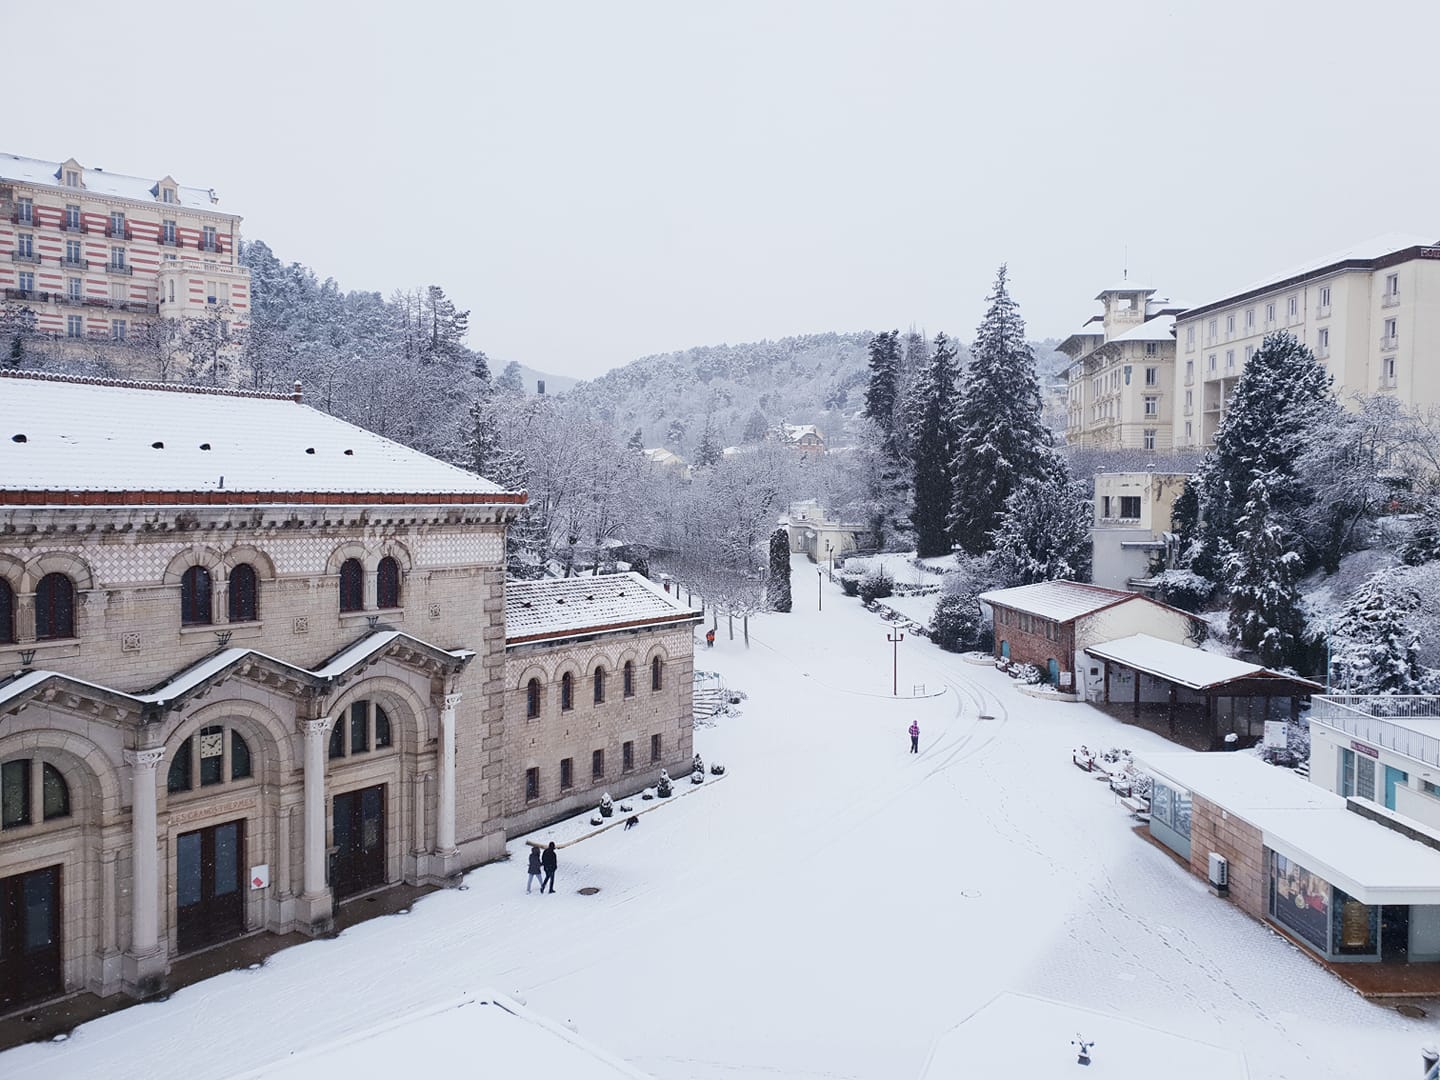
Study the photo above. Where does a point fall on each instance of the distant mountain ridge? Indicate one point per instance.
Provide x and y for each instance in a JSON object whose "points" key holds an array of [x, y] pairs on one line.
{"points": [[815, 379]]}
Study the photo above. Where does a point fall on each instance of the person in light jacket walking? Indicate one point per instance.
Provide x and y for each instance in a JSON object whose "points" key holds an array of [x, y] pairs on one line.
{"points": [[549, 861], [914, 736], [534, 870]]}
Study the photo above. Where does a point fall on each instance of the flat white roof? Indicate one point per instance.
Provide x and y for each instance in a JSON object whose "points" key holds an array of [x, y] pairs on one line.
{"points": [[74, 435], [1058, 600], [1024, 1037], [1304, 822], [1195, 668]]}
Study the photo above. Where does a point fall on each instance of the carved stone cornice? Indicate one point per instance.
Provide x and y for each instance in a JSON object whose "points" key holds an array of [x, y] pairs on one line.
{"points": [[149, 758]]}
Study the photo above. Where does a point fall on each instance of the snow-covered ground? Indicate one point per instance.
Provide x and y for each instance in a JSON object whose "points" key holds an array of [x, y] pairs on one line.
{"points": [[830, 910]]}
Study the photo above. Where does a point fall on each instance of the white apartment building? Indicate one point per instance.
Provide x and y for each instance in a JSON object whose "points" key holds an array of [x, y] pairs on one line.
{"points": [[1132, 529], [99, 256], [1121, 378], [1371, 314]]}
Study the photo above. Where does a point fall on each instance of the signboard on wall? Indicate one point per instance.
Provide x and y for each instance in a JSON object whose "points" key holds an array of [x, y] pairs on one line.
{"points": [[1275, 736], [260, 876], [1361, 748]]}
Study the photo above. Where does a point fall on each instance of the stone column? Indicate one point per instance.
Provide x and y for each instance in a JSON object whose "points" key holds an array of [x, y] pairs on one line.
{"points": [[145, 961], [445, 813], [315, 903]]}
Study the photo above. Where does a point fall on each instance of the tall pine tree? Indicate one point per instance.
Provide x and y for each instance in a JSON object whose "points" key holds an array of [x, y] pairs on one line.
{"points": [[1044, 534], [932, 450], [1000, 435], [777, 586], [1378, 649], [1261, 570], [883, 392]]}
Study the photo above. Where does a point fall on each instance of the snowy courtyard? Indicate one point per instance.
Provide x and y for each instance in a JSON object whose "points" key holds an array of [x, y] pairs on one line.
{"points": [[833, 907]]}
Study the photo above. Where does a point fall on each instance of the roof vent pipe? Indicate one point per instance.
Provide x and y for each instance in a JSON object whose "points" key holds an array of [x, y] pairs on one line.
{"points": [[298, 395]]}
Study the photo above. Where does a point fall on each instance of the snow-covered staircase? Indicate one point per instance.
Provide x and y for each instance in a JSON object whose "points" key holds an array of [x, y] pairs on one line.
{"points": [[1303, 768], [707, 701]]}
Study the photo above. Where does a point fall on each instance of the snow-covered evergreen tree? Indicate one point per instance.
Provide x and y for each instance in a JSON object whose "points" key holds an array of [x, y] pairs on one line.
{"points": [[882, 394], [1261, 569], [1281, 397], [510, 382], [707, 452], [932, 447], [756, 428], [1376, 646], [777, 588], [1001, 438], [1044, 533], [636, 441]]}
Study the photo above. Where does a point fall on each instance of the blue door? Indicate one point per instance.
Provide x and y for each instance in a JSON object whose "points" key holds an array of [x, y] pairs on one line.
{"points": [[1005, 650], [1393, 777], [1054, 672]]}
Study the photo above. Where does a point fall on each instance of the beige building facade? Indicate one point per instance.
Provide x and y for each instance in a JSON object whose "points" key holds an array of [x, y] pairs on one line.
{"points": [[100, 258], [1132, 530], [1121, 379], [1370, 314]]}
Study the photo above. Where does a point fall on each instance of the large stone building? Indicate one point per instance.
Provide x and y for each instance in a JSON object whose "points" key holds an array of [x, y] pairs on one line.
{"points": [[256, 664], [100, 257], [1369, 313], [1121, 375]]}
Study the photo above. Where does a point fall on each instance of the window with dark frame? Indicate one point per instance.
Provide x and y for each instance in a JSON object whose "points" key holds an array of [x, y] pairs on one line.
{"points": [[7, 612], [567, 773], [657, 674], [654, 748], [532, 784], [200, 760], [532, 699], [597, 765], [627, 756], [18, 787], [244, 594], [629, 678], [195, 597], [387, 583], [567, 692], [352, 586], [54, 608], [365, 727], [599, 686]]}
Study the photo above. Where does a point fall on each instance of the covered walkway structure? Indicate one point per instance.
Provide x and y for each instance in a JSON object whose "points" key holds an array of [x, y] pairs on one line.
{"points": [[1199, 697]]}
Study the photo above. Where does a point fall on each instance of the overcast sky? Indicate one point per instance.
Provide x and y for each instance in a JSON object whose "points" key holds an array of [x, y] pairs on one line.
{"points": [[599, 181]]}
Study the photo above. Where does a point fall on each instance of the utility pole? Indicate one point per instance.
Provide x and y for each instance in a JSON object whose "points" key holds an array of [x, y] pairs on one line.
{"points": [[895, 640]]}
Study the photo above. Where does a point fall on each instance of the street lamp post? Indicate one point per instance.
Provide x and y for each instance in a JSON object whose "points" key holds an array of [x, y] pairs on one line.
{"points": [[895, 640], [830, 557], [819, 589]]}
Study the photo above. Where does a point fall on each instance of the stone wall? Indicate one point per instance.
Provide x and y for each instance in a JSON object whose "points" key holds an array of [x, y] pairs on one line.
{"points": [[1214, 829]]}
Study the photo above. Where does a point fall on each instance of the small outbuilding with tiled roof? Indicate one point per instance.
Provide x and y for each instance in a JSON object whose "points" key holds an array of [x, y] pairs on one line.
{"points": [[1050, 624]]}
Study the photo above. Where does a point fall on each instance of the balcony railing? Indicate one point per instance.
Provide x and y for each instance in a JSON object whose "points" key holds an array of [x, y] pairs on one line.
{"points": [[73, 226], [141, 308], [207, 245], [1387, 382], [1390, 299], [1390, 341], [167, 241], [1379, 721], [1323, 311], [19, 217], [117, 268], [122, 233], [27, 294], [74, 264], [26, 257]]}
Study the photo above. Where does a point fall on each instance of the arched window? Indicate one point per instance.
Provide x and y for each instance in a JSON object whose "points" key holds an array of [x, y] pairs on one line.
{"points": [[54, 608], [195, 594], [657, 673], [629, 678], [7, 612], [567, 692], [364, 727], [31, 790], [352, 585], [216, 755], [244, 594], [387, 584], [599, 685], [532, 699]]}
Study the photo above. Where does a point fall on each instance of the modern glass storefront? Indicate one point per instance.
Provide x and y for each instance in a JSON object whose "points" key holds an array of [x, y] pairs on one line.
{"points": [[1170, 818]]}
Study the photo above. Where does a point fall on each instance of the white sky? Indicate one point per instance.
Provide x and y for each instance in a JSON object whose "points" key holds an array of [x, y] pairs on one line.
{"points": [[598, 181]]}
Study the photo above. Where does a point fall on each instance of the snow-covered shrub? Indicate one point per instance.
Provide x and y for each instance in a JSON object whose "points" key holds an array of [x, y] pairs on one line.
{"points": [[849, 584], [956, 625], [697, 765], [596, 819], [607, 807], [697, 776], [1184, 589], [876, 585], [716, 769], [625, 808], [662, 786], [648, 794], [1028, 674]]}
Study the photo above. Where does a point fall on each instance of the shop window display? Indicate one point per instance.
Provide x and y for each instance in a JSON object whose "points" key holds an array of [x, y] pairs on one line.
{"points": [[1300, 901]]}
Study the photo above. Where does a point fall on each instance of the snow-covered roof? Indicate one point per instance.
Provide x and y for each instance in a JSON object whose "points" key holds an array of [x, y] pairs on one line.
{"points": [[451, 1039], [795, 432], [65, 435], [1304, 822], [1373, 248], [1023, 1036], [568, 607], [98, 181], [1057, 600], [1160, 328], [1123, 287], [1195, 668]]}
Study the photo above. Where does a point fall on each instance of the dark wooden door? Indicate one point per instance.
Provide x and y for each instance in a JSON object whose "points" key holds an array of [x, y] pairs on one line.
{"points": [[359, 841], [210, 882], [1394, 933], [30, 937]]}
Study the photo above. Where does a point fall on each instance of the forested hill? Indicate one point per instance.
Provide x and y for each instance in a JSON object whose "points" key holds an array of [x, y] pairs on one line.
{"points": [[812, 379]]}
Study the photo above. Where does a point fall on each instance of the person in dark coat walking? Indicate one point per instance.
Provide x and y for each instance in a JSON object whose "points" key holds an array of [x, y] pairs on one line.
{"points": [[914, 736], [548, 861], [534, 870]]}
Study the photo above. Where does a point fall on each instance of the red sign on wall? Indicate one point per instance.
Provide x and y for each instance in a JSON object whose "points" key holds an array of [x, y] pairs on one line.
{"points": [[1368, 751]]}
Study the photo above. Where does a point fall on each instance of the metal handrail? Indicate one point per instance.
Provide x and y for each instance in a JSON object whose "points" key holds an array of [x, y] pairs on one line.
{"points": [[1371, 719]]}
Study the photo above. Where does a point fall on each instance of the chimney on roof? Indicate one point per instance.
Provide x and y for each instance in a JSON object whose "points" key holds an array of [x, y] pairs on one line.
{"points": [[299, 394]]}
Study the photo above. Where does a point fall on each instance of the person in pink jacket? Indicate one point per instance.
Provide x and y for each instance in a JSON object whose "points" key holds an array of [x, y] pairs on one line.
{"points": [[914, 736]]}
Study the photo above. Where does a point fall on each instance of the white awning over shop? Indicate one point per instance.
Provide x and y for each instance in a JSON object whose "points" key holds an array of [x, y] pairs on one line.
{"points": [[1186, 666], [1306, 823]]}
